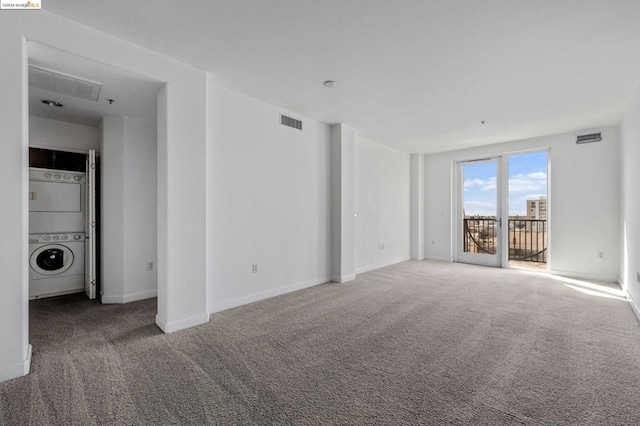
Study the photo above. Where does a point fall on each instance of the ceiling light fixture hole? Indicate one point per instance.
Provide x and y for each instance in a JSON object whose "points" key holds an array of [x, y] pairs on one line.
{"points": [[329, 83]]}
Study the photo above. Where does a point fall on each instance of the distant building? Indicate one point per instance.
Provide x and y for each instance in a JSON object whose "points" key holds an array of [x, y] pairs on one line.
{"points": [[537, 209]]}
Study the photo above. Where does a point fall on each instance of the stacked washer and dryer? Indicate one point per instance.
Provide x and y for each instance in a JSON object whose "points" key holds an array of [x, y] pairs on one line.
{"points": [[60, 213]]}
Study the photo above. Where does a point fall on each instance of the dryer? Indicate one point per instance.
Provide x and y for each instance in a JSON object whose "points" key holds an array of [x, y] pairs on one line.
{"points": [[57, 201], [56, 264]]}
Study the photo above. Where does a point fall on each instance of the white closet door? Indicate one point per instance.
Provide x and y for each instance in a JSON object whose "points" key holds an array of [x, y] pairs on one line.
{"points": [[90, 228]]}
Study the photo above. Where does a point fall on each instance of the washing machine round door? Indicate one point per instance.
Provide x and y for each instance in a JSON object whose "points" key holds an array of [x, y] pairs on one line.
{"points": [[51, 259]]}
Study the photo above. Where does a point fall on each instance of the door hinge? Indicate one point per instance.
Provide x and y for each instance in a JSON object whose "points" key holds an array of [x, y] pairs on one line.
{"points": [[93, 165]]}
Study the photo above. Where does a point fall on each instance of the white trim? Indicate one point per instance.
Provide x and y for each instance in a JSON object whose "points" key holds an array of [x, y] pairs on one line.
{"points": [[572, 274], [233, 303], [171, 327], [381, 265], [126, 298], [57, 148], [17, 370], [438, 259], [343, 278], [58, 293], [634, 305]]}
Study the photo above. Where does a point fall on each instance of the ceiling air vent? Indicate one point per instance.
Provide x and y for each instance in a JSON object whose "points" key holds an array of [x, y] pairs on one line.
{"points": [[64, 84], [290, 122], [593, 137]]}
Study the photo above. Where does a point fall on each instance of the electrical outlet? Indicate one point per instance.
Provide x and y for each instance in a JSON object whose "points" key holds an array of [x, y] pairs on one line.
{"points": [[601, 255], [638, 276], [150, 265], [254, 268]]}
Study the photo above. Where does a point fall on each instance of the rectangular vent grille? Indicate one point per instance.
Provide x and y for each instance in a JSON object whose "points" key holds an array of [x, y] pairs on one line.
{"points": [[64, 84], [593, 137], [290, 122]]}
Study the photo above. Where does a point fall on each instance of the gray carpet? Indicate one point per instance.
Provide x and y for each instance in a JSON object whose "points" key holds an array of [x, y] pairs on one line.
{"points": [[416, 343]]}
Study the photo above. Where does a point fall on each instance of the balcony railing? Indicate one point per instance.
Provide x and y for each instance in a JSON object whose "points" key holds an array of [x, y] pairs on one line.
{"points": [[480, 235], [527, 238]]}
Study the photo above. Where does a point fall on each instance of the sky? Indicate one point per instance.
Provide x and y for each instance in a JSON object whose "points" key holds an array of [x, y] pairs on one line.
{"points": [[527, 181]]}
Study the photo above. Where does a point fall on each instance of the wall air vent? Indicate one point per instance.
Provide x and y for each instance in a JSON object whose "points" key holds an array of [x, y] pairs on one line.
{"points": [[64, 84], [593, 137], [290, 122]]}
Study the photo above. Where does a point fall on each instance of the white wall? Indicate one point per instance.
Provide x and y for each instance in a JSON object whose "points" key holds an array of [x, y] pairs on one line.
{"points": [[112, 208], [128, 209], [630, 201], [382, 202], [343, 141], [181, 170], [268, 201], [583, 202], [416, 194], [60, 134], [15, 351]]}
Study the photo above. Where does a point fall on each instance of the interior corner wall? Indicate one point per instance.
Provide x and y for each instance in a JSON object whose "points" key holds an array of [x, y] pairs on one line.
{"points": [[268, 190], [128, 209], [141, 209], [630, 201], [342, 167], [14, 215], [111, 226], [583, 201], [416, 194], [382, 203], [56, 134]]}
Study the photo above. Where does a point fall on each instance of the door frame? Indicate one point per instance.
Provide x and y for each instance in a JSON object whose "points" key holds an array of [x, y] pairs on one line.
{"points": [[456, 200], [496, 260]]}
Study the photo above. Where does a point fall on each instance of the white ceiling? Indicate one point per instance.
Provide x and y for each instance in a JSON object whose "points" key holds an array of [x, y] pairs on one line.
{"points": [[134, 96], [419, 75]]}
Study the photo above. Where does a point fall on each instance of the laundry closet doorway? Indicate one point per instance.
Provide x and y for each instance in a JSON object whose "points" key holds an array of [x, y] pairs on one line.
{"points": [[62, 222], [108, 115]]}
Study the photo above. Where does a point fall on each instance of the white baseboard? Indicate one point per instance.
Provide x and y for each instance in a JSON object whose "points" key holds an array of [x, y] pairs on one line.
{"points": [[126, 298], [343, 279], [17, 370], [223, 306], [381, 265], [171, 327], [579, 275], [438, 259]]}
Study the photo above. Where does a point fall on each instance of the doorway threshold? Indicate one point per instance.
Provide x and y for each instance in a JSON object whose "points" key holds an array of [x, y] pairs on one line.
{"points": [[529, 266]]}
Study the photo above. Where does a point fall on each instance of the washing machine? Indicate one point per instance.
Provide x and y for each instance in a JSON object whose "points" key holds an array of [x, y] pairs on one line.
{"points": [[56, 264]]}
